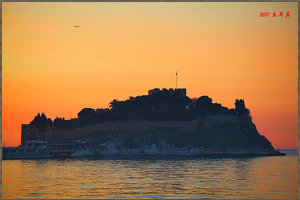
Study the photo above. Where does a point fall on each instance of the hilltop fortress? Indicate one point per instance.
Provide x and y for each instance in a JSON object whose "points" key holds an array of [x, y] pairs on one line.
{"points": [[165, 118]]}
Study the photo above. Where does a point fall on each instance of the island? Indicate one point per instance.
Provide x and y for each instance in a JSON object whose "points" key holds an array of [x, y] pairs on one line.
{"points": [[164, 122]]}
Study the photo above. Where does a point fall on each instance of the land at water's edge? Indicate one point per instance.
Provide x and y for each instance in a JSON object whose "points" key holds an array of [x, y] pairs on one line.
{"points": [[207, 135]]}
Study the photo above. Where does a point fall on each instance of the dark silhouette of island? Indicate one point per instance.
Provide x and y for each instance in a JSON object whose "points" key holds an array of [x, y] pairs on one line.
{"points": [[163, 118], [161, 106]]}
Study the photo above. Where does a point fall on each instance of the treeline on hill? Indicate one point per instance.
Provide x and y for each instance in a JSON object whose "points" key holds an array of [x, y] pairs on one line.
{"points": [[155, 107]]}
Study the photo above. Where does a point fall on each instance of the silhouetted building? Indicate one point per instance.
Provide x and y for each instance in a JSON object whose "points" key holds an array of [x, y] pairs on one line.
{"points": [[177, 91]]}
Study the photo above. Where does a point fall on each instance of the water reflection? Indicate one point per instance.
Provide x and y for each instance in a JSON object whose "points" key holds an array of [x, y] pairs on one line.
{"points": [[263, 177]]}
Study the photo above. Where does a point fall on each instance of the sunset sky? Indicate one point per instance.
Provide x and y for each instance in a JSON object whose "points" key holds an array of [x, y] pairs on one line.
{"points": [[223, 50]]}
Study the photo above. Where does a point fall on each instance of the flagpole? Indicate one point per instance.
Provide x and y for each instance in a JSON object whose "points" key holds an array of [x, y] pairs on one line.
{"points": [[176, 79]]}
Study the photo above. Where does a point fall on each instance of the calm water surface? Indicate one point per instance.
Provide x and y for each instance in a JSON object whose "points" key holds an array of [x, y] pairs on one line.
{"points": [[261, 177]]}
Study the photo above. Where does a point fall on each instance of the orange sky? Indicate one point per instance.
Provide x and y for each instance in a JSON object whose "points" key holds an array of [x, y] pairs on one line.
{"points": [[223, 50]]}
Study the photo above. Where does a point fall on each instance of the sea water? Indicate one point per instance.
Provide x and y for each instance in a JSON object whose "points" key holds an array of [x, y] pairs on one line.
{"points": [[184, 177]]}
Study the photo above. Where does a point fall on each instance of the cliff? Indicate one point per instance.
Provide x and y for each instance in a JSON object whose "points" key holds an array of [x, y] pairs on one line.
{"points": [[227, 134]]}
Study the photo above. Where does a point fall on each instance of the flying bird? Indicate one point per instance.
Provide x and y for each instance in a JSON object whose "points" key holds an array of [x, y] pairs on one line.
{"points": [[76, 26]]}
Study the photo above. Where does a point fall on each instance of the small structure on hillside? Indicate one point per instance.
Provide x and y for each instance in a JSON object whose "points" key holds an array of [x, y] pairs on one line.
{"points": [[176, 91]]}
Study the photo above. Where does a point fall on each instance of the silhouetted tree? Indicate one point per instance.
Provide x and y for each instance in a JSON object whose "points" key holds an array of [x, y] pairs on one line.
{"points": [[87, 116], [86, 113], [59, 123], [114, 104], [41, 123], [103, 115], [240, 107], [203, 105]]}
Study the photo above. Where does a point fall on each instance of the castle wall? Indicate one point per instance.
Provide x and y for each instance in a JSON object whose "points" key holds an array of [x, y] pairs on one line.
{"points": [[180, 91], [210, 121], [28, 132], [54, 135]]}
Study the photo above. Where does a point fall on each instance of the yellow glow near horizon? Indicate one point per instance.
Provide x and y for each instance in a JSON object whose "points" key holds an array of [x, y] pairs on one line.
{"points": [[223, 50]]}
